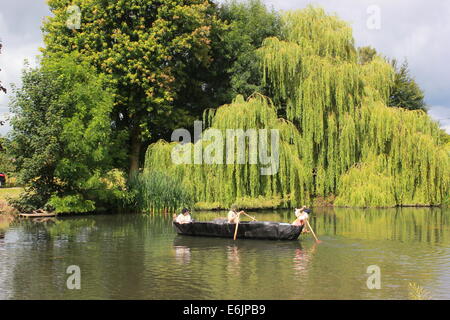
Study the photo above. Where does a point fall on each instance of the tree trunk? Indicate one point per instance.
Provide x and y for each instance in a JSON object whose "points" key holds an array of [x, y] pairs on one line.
{"points": [[135, 151]]}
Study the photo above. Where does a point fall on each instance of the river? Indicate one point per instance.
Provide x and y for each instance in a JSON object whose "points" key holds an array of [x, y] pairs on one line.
{"points": [[134, 256]]}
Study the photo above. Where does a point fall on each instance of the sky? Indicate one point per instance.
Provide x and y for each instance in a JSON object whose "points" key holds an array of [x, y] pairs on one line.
{"points": [[416, 30]]}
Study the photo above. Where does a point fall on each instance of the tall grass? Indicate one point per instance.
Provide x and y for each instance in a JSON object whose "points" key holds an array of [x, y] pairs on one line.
{"points": [[156, 192]]}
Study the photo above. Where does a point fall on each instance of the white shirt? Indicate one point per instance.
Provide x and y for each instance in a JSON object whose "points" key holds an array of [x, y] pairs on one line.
{"points": [[300, 214], [232, 216], [183, 219]]}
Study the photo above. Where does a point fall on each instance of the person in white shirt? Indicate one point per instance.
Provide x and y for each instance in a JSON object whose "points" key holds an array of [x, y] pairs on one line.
{"points": [[184, 217], [233, 215], [302, 216]]}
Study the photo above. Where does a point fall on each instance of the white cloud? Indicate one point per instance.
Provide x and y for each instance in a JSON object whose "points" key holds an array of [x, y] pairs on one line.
{"points": [[20, 34], [442, 115]]}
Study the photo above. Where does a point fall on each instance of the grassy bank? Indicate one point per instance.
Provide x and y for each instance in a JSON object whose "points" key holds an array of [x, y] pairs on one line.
{"points": [[5, 195], [10, 193]]}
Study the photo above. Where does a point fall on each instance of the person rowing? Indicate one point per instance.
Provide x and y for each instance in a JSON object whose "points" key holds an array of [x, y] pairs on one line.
{"points": [[302, 216], [234, 215]]}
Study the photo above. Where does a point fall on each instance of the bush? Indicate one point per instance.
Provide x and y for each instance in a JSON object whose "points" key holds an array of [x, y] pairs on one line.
{"points": [[71, 204]]}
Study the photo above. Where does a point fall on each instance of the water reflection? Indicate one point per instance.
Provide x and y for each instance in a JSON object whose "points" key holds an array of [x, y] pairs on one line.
{"points": [[182, 254], [233, 264], [141, 257], [302, 259]]}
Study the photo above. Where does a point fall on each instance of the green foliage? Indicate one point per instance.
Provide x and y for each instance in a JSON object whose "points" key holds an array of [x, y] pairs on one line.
{"points": [[364, 186], [216, 182], [406, 93], [145, 48], [258, 203], [233, 69], [7, 165], [339, 106], [61, 137], [343, 139], [249, 23], [71, 203], [366, 54], [169, 60], [208, 206], [157, 192], [246, 203]]}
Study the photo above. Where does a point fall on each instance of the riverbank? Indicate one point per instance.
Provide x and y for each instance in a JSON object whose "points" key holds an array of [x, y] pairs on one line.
{"points": [[253, 204], [260, 203], [7, 194]]}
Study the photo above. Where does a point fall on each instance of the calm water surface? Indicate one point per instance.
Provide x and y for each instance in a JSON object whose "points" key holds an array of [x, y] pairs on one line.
{"points": [[130, 256]]}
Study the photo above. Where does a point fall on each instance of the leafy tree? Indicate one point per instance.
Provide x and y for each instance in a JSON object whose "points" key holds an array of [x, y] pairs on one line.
{"points": [[405, 92], [250, 23], [6, 163], [341, 138], [234, 66], [61, 133], [144, 47]]}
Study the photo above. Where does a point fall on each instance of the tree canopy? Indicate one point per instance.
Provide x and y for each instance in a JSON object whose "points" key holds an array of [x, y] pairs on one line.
{"points": [[61, 137], [344, 140], [405, 92], [144, 48]]}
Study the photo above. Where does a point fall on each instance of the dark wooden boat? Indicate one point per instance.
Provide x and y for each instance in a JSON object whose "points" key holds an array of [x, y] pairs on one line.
{"points": [[247, 230]]}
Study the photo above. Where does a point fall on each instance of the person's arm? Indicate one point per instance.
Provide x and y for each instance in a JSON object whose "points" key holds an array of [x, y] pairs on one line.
{"points": [[244, 213]]}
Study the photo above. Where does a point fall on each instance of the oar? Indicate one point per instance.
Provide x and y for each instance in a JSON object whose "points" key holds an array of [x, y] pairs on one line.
{"points": [[237, 226], [312, 231], [253, 218]]}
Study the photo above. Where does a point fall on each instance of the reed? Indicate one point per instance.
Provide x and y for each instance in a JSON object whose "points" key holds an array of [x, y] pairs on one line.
{"points": [[157, 192]]}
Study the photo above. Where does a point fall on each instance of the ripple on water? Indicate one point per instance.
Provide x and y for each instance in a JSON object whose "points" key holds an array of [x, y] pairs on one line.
{"points": [[139, 257]]}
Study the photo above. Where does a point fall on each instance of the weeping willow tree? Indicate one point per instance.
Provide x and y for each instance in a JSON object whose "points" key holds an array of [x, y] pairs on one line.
{"points": [[366, 153], [337, 135], [221, 177]]}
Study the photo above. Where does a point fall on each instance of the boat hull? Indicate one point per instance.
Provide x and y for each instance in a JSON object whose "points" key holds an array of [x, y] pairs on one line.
{"points": [[246, 230]]}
